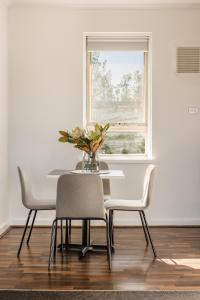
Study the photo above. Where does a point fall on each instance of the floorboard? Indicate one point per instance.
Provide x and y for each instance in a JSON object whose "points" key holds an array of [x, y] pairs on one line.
{"points": [[177, 267]]}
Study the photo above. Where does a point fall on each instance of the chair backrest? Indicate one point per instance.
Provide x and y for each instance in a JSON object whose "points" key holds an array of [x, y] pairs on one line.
{"points": [[26, 189], [106, 182], [79, 196], [147, 185]]}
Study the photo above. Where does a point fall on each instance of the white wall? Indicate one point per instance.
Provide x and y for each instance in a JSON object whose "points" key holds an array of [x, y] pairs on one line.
{"points": [[3, 119], [45, 86]]}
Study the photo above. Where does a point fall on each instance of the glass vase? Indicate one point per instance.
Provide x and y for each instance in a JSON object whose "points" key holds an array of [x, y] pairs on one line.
{"points": [[90, 162]]}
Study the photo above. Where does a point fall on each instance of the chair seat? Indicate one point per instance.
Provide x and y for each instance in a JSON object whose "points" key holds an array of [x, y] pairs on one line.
{"points": [[124, 204], [106, 197], [44, 204]]}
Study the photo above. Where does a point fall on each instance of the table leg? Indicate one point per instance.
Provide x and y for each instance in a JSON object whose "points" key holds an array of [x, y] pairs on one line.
{"points": [[86, 244], [86, 233], [85, 238]]}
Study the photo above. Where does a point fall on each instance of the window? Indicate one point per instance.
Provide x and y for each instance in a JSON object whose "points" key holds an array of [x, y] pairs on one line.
{"points": [[117, 91]]}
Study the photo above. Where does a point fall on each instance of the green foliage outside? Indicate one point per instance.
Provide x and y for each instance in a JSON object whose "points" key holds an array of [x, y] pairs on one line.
{"points": [[121, 102], [124, 143]]}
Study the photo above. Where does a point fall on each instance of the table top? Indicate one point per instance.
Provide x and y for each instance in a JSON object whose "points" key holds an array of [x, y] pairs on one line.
{"points": [[105, 174]]}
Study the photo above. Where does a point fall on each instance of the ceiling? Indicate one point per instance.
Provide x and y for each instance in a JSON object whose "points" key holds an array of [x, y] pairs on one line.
{"points": [[114, 3]]}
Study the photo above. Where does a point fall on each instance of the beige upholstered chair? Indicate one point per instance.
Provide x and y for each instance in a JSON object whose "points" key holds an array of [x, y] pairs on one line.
{"points": [[31, 203], [135, 205], [79, 197], [106, 185]]}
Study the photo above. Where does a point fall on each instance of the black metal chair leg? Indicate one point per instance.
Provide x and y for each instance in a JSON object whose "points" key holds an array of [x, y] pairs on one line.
{"points": [[22, 239], [89, 225], [108, 244], [144, 229], [30, 231], [55, 237], [67, 232], [52, 243], [151, 242], [111, 228], [70, 228], [61, 234]]}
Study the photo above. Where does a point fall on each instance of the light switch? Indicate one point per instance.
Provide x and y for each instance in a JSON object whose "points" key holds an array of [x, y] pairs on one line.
{"points": [[193, 110]]}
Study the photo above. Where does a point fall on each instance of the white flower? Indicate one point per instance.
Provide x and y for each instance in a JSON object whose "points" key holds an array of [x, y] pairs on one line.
{"points": [[77, 132]]}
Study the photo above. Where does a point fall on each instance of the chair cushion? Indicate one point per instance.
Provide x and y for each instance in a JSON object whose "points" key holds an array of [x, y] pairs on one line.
{"points": [[43, 204], [106, 197], [124, 204]]}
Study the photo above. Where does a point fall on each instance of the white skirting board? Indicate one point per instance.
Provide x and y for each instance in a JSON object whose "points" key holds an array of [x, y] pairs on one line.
{"points": [[119, 222], [3, 228]]}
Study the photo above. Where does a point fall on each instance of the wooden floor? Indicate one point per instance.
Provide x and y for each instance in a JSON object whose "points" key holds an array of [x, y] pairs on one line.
{"points": [[133, 267]]}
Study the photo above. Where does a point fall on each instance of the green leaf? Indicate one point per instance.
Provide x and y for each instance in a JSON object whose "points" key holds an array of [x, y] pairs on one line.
{"points": [[106, 127], [71, 140], [63, 133], [62, 139]]}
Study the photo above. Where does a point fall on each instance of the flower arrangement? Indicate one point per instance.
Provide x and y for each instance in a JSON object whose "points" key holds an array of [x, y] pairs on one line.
{"points": [[86, 140]]}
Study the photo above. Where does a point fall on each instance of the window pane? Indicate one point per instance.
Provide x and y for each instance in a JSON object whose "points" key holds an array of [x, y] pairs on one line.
{"points": [[124, 143], [117, 86]]}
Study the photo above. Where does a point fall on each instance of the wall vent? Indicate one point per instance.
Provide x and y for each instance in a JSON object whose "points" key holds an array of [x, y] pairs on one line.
{"points": [[188, 60]]}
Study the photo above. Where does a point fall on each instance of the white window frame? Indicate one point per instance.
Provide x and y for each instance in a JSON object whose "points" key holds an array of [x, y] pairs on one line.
{"points": [[138, 158]]}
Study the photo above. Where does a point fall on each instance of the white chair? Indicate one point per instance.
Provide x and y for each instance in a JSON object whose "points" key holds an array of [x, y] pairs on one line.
{"points": [[79, 197], [106, 186], [135, 205], [31, 203]]}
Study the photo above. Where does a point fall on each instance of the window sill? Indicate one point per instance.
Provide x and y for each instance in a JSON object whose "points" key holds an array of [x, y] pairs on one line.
{"points": [[129, 159]]}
